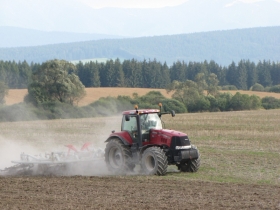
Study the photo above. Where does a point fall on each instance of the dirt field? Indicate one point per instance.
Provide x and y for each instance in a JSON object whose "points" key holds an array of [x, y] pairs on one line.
{"points": [[93, 94], [240, 168], [133, 192]]}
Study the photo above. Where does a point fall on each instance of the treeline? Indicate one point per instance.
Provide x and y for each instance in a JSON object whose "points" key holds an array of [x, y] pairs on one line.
{"points": [[152, 73], [115, 105]]}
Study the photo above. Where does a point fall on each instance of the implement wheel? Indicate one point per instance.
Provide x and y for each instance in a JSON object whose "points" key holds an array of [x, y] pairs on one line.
{"points": [[154, 161], [118, 157]]}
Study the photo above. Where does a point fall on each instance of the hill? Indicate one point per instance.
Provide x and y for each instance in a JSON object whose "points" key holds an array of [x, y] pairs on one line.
{"points": [[29, 37], [221, 46], [93, 94]]}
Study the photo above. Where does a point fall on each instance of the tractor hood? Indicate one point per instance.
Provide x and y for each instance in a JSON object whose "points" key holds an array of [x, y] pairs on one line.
{"points": [[169, 133], [173, 139]]}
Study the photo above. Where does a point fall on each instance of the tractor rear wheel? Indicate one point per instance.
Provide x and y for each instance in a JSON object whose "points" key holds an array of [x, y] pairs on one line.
{"points": [[118, 157], [154, 161], [190, 165]]}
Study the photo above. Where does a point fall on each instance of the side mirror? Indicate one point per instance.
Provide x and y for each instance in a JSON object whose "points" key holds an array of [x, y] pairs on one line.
{"points": [[127, 117], [172, 113]]}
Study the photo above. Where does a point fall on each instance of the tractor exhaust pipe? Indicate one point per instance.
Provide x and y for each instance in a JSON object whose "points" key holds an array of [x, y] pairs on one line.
{"points": [[139, 129]]}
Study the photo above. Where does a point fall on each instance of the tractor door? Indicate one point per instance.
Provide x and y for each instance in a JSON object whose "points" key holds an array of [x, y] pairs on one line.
{"points": [[129, 124]]}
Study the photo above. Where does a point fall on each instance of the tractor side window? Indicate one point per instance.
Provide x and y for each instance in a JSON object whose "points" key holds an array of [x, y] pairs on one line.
{"points": [[129, 125]]}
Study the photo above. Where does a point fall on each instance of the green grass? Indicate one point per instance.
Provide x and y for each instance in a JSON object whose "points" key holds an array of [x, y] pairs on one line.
{"points": [[239, 147]]}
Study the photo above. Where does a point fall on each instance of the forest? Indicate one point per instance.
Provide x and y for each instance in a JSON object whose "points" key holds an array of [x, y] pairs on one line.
{"points": [[152, 73], [56, 86]]}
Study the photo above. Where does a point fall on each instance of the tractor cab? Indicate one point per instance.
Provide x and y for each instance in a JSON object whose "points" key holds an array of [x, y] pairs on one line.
{"points": [[138, 123]]}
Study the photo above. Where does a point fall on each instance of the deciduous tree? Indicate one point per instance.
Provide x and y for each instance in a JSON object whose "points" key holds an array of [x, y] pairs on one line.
{"points": [[53, 82]]}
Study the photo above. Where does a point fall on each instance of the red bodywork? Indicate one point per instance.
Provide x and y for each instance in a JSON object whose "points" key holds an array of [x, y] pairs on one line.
{"points": [[157, 136]]}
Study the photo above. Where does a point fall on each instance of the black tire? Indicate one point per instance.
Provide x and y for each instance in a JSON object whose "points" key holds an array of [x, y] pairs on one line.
{"points": [[118, 157], [154, 161], [190, 165]]}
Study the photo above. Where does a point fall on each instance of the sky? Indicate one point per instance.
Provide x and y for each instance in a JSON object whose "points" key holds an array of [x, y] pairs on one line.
{"points": [[144, 3], [133, 3]]}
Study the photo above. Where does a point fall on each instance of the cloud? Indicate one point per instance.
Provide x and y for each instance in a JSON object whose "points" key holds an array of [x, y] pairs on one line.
{"points": [[132, 3]]}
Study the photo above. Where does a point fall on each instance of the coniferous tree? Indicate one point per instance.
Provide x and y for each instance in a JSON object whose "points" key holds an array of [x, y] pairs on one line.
{"points": [[2, 72], [178, 71], [133, 73], [95, 74], [275, 73], [120, 79], [264, 73], [12, 74], [165, 76], [24, 74], [252, 73], [110, 73], [241, 76], [155, 76], [146, 70], [231, 73]]}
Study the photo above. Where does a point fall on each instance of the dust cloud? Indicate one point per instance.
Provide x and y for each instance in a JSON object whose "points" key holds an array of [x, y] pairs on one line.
{"points": [[44, 140], [41, 139]]}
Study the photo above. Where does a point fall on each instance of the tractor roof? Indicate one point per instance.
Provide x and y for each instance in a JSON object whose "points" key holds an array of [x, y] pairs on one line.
{"points": [[141, 111]]}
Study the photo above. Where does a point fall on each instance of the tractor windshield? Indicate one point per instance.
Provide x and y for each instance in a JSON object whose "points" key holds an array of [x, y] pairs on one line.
{"points": [[149, 121]]}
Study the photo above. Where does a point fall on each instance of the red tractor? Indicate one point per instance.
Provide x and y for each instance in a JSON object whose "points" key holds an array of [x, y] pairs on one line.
{"points": [[142, 140]]}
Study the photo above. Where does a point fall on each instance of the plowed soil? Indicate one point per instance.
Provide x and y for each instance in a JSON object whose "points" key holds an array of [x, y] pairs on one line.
{"points": [[132, 192]]}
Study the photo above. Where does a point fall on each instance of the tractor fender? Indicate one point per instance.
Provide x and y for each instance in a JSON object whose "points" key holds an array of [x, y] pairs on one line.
{"points": [[118, 137]]}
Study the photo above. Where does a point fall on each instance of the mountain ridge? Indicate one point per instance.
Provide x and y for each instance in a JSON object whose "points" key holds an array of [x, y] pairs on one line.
{"points": [[31, 37], [223, 47]]}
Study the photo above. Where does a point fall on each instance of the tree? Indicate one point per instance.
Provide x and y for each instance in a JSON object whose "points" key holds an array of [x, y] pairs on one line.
{"points": [[264, 73], [275, 73], [252, 73], [52, 82], [164, 76], [188, 93], [24, 74], [120, 79], [146, 69], [231, 72], [3, 92], [133, 73], [178, 71], [201, 83], [241, 76], [275, 89], [257, 87], [212, 84], [12, 74]]}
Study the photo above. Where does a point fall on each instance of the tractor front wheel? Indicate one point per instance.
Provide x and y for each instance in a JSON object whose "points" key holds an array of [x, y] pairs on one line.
{"points": [[190, 165], [118, 157], [154, 161]]}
